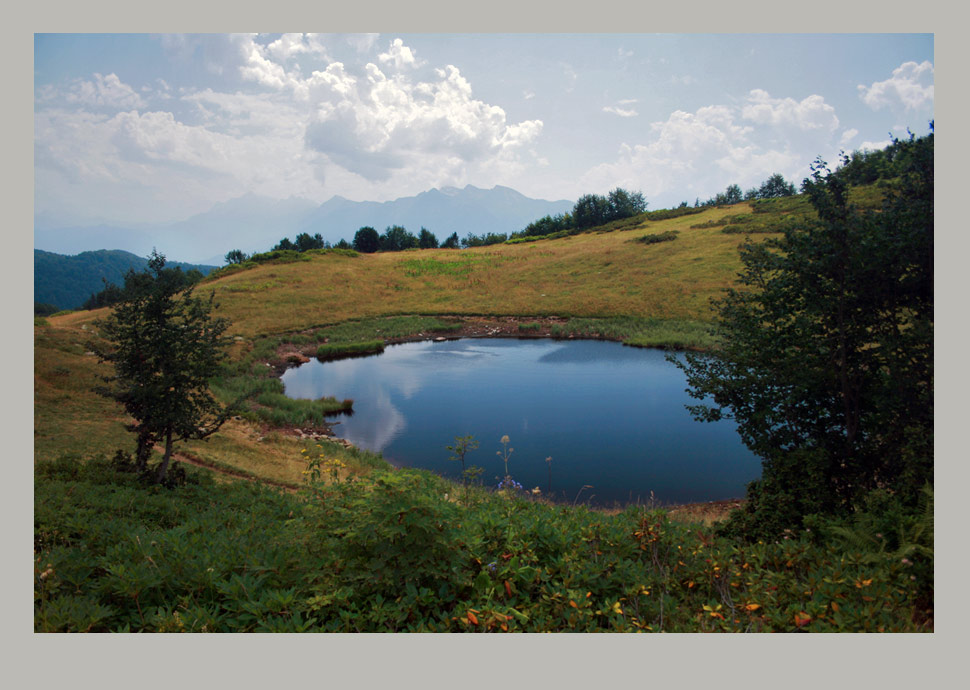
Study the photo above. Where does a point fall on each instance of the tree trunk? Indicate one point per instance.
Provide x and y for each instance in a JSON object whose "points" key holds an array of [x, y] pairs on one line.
{"points": [[163, 468], [144, 451]]}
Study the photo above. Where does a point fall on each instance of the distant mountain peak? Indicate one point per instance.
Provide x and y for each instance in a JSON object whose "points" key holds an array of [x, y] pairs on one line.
{"points": [[253, 223]]}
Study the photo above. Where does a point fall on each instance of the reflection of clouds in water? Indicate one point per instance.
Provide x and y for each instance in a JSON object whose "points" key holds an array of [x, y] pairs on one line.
{"points": [[384, 427], [627, 438]]}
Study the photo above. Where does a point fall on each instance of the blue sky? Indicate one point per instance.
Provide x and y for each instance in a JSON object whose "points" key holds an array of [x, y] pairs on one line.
{"points": [[155, 128]]}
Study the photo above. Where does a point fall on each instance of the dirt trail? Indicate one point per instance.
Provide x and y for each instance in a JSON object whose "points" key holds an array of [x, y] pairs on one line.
{"points": [[199, 462]]}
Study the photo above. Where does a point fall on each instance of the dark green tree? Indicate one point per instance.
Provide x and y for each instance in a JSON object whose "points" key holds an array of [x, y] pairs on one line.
{"points": [[235, 256], [366, 240], [775, 186], [427, 240], [164, 346], [826, 357], [284, 245], [342, 244], [732, 195], [623, 204], [591, 210], [451, 242], [483, 240], [396, 238], [305, 242]]}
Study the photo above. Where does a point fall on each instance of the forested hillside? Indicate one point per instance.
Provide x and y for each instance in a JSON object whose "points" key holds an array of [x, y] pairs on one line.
{"points": [[67, 281]]}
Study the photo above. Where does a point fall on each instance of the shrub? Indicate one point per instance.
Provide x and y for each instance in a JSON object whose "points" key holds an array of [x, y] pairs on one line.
{"points": [[658, 237], [332, 351], [388, 536]]}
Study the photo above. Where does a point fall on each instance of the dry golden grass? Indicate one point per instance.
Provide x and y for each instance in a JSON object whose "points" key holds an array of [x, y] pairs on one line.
{"points": [[594, 274]]}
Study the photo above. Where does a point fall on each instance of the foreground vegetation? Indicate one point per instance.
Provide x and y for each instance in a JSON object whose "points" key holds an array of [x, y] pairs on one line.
{"points": [[409, 551]]}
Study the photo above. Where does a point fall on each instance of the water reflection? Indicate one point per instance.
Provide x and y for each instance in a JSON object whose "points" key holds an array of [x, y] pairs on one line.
{"points": [[610, 416]]}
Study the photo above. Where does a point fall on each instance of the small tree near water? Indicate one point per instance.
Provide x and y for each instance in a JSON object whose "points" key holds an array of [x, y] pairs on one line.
{"points": [[164, 346]]}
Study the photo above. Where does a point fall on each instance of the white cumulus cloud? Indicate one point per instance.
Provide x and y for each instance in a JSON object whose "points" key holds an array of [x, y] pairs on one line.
{"points": [[398, 55], [104, 91], [811, 112], [699, 153], [376, 124], [910, 86], [289, 45]]}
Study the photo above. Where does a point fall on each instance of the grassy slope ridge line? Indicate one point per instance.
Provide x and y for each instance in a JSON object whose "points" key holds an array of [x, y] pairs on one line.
{"points": [[586, 275], [590, 275]]}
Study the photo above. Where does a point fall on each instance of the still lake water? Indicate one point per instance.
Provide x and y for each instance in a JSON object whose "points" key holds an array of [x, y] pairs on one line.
{"points": [[611, 417]]}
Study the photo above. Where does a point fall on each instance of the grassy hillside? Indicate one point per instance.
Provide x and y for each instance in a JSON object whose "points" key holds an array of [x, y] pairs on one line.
{"points": [[608, 274]]}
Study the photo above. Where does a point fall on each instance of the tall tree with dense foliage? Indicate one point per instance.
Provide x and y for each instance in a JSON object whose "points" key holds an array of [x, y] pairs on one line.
{"points": [[451, 242], [623, 204], [427, 240], [306, 242], [732, 195], [591, 210], [396, 238], [775, 186], [366, 240], [164, 346], [826, 361]]}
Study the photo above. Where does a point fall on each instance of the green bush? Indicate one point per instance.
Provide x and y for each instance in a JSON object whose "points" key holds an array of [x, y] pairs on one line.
{"points": [[390, 535], [340, 350], [668, 236]]}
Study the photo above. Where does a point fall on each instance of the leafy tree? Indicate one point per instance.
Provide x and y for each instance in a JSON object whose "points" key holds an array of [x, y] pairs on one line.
{"points": [[235, 256], [623, 204], [451, 242], [591, 210], [547, 225], [164, 346], [367, 241], [342, 244], [284, 245], [483, 240], [826, 362], [396, 238], [110, 294], [427, 240], [775, 186], [732, 195], [305, 242]]}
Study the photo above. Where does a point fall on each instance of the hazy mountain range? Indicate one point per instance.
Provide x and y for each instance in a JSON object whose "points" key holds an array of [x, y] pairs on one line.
{"points": [[253, 223]]}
